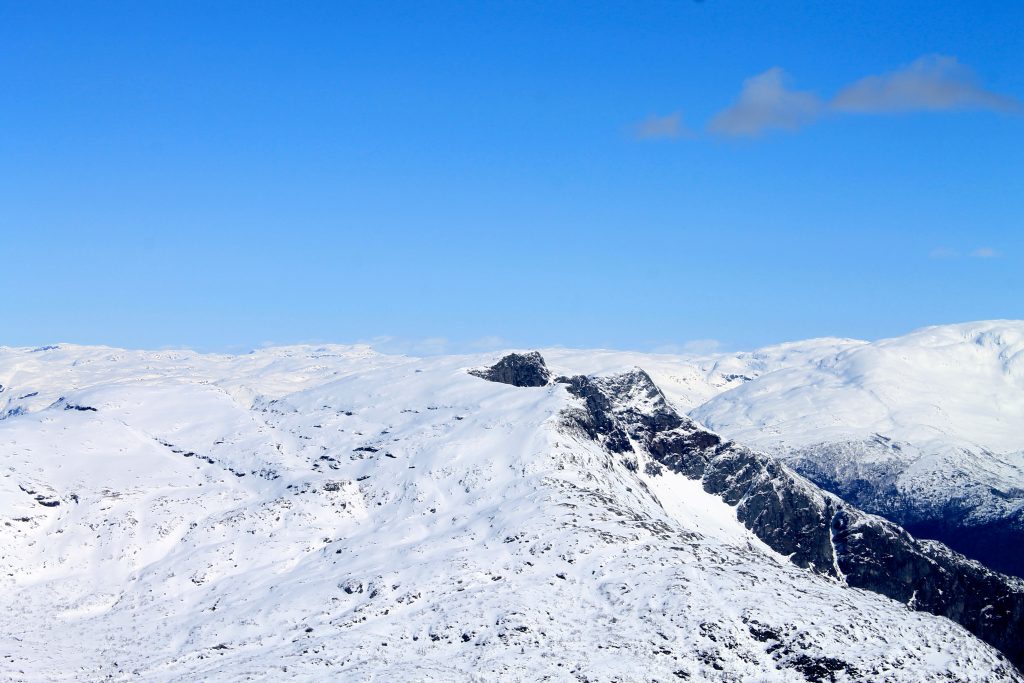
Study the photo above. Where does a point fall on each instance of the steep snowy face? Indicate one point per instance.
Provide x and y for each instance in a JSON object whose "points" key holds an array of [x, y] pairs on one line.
{"points": [[308, 513], [924, 429]]}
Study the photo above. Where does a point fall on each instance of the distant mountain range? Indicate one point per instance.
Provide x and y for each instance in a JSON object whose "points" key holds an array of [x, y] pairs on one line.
{"points": [[926, 429]]}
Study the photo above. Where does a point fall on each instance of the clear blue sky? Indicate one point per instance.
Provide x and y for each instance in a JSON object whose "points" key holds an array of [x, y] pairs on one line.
{"points": [[630, 174]]}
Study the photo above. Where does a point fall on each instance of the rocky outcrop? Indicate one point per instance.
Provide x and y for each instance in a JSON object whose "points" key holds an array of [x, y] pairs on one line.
{"points": [[781, 508], [517, 369], [817, 530]]}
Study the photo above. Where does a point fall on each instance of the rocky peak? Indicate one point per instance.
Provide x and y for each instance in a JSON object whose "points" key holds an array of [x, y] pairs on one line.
{"points": [[631, 406], [517, 369]]}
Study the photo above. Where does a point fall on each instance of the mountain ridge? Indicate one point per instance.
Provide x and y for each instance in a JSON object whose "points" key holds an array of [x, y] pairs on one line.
{"points": [[366, 515]]}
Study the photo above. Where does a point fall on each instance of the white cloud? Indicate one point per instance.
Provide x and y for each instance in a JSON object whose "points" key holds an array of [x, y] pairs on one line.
{"points": [[660, 127], [766, 103], [434, 346], [426, 346], [490, 343], [947, 253], [930, 83], [695, 347]]}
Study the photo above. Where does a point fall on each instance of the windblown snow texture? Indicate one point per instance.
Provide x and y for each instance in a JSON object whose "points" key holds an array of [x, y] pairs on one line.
{"points": [[328, 512]]}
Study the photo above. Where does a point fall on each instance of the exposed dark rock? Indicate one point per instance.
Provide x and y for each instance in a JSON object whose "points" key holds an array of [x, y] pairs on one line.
{"points": [[652, 469], [816, 529], [44, 499], [597, 420], [820, 669], [683, 451], [762, 632], [12, 412], [784, 511], [517, 369]]}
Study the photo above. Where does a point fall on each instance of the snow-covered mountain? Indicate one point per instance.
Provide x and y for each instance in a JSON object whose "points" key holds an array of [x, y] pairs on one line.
{"points": [[926, 429], [309, 513]]}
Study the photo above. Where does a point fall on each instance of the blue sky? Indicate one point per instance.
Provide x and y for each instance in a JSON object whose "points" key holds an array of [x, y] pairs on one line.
{"points": [[468, 175]]}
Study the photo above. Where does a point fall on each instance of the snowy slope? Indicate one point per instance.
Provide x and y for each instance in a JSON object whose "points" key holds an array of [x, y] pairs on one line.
{"points": [[692, 380], [959, 385], [924, 428], [304, 513]]}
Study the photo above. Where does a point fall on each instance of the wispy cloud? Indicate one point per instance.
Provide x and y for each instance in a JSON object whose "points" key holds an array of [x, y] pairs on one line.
{"points": [[416, 346], [929, 83], [660, 127], [694, 347], [766, 103], [434, 346], [490, 343], [947, 253]]}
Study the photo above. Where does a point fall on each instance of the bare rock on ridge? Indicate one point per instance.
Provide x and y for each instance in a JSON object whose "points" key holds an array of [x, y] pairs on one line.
{"points": [[518, 369]]}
